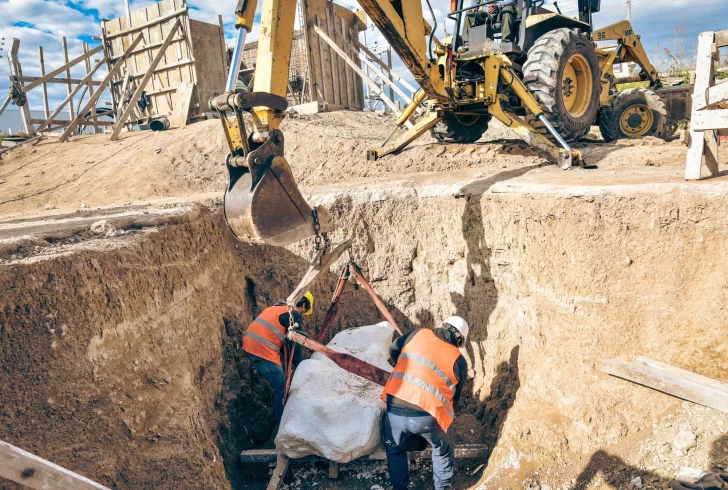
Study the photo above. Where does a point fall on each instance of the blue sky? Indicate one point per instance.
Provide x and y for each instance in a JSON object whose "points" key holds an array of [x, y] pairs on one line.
{"points": [[44, 22]]}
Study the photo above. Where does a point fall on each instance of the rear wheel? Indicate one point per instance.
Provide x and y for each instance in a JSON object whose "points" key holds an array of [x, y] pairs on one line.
{"points": [[633, 113], [454, 128], [562, 72]]}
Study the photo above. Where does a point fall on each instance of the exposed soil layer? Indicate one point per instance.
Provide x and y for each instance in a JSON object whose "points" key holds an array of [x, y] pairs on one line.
{"points": [[119, 350]]}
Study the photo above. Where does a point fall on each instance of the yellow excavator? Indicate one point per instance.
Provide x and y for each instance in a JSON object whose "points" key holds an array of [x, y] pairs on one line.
{"points": [[548, 87]]}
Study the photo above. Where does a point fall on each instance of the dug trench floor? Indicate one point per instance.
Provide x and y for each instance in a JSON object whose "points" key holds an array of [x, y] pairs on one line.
{"points": [[123, 298]]}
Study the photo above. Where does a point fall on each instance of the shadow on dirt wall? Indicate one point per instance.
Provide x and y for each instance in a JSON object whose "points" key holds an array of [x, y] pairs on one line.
{"points": [[617, 473], [476, 304]]}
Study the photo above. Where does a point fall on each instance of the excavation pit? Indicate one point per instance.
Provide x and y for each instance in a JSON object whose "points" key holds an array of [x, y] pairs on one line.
{"points": [[121, 326]]}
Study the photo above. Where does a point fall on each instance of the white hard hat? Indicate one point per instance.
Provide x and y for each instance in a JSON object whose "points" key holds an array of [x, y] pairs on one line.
{"points": [[459, 324]]}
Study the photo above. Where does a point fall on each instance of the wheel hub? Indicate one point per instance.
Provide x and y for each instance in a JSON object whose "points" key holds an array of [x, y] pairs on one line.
{"points": [[576, 85], [636, 121]]}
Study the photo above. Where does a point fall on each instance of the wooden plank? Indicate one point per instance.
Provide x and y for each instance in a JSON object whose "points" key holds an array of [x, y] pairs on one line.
{"points": [[348, 74], [462, 451], [140, 88], [721, 39], [27, 79], [35, 472], [62, 123], [279, 473], [333, 470], [49, 120], [66, 66], [17, 70], [181, 105], [711, 152], [92, 100], [659, 380], [378, 92], [69, 87], [684, 374], [90, 87], [147, 47], [714, 95], [147, 24], [46, 111], [329, 28], [709, 119], [326, 87], [314, 62], [703, 80]]}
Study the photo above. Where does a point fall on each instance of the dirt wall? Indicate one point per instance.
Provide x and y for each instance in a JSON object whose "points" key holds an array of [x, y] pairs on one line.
{"points": [[552, 280]]}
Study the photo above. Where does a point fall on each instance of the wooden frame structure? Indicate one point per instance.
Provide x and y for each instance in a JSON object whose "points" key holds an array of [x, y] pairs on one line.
{"points": [[27, 83], [176, 52], [707, 120]]}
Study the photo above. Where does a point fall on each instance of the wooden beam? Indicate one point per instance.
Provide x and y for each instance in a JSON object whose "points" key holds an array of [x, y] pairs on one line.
{"points": [[46, 111], [71, 111], [721, 39], [35, 472], [279, 473], [333, 470], [147, 47], [51, 75], [152, 22], [684, 374], [17, 72], [89, 85], [707, 119], [714, 95], [62, 123], [377, 91], [664, 381], [49, 119], [92, 101], [140, 88], [703, 80], [25, 79], [462, 451]]}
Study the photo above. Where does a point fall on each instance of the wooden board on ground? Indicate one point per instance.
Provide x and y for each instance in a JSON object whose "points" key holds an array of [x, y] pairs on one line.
{"points": [[181, 103], [462, 451], [35, 472], [279, 473], [670, 380]]}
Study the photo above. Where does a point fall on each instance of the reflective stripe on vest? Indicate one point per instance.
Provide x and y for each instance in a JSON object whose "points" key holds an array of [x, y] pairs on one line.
{"points": [[264, 337], [425, 376]]}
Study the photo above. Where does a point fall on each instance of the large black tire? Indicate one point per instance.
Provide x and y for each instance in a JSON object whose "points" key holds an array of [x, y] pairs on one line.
{"points": [[550, 61], [633, 113], [460, 129]]}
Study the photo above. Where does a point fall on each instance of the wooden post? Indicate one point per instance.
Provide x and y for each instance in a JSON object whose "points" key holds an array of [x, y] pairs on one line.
{"points": [[333, 470], [389, 71], [90, 85], [44, 86], [704, 75], [35, 472], [279, 473], [49, 120], [68, 75], [92, 101], [379, 92], [18, 72], [140, 88]]}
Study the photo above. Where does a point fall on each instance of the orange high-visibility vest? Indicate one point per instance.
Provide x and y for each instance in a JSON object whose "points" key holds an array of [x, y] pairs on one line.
{"points": [[264, 337], [425, 376]]}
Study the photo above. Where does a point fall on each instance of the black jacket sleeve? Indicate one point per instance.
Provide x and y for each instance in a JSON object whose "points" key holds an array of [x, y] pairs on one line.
{"points": [[395, 348], [461, 373]]}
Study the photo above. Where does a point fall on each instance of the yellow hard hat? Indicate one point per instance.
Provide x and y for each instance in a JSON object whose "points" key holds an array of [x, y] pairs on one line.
{"points": [[309, 297]]}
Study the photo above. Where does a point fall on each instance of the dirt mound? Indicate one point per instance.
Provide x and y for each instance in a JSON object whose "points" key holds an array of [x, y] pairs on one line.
{"points": [[323, 149]]}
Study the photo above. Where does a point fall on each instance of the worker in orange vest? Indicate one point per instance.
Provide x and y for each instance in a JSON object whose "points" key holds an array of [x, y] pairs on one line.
{"points": [[421, 395], [263, 344]]}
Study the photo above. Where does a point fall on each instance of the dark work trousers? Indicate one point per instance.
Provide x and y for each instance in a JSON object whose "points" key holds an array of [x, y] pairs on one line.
{"points": [[399, 424], [276, 377]]}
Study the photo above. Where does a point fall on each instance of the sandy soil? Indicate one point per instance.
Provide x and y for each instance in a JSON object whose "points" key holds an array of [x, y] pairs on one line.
{"points": [[323, 150], [122, 322]]}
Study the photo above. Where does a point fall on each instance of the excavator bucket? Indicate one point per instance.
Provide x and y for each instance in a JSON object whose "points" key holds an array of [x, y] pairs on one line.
{"points": [[263, 203]]}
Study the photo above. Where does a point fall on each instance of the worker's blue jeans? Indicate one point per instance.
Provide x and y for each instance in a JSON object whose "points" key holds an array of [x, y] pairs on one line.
{"points": [[276, 377], [399, 424]]}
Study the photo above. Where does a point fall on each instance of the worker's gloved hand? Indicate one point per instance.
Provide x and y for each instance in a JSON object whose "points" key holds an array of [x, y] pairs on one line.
{"points": [[709, 481], [492, 8]]}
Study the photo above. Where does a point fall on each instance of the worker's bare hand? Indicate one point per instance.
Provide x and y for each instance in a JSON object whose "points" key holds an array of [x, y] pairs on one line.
{"points": [[492, 8]]}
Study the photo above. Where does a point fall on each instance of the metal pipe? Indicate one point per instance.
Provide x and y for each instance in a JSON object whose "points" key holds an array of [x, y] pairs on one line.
{"points": [[236, 59], [553, 132], [159, 124]]}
